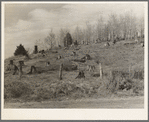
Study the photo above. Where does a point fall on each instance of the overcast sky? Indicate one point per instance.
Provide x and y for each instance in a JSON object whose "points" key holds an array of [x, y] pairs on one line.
{"points": [[26, 23]]}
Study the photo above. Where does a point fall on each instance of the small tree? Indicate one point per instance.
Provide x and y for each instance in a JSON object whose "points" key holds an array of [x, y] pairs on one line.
{"points": [[20, 51]]}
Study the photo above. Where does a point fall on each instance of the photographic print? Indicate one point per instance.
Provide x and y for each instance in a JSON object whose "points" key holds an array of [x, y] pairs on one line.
{"points": [[74, 57]]}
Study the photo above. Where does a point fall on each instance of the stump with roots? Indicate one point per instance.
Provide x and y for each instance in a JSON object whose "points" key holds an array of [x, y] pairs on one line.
{"points": [[136, 40], [11, 62], [80, 75], [10, 65], [21, 63], [48, 63], [142, 44], [87, 57], [107, 44], [73, 53], [33, 70], [114, 42], [58, 57], [16, 69]]}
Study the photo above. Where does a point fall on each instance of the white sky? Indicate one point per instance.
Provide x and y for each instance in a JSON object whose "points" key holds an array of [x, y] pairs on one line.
{"points": [[26, 23]]}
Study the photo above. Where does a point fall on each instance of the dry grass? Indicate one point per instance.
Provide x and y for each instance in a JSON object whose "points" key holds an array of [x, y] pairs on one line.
{"points": [[46, 85]]}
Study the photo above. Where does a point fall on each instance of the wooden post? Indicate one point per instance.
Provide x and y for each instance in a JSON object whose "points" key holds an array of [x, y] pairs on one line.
{"points": [[110, 74], [100, 70], [60, 71], [129, 71], [117, 85], [138, 74], [142, 74], [20, 69], [119, 75], [136, 37]]}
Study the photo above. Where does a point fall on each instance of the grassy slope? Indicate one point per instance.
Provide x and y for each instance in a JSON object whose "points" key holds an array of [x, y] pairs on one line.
{"points": [[117, 57]]}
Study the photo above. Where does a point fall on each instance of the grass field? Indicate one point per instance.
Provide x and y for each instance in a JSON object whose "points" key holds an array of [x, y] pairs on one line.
{"points": [[121, 60]]}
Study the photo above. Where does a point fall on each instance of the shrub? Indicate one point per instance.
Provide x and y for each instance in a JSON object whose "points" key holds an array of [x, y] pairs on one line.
{"points": [[126, 84], [137, 86], [43, 93], [138, 75], [16, 89]]}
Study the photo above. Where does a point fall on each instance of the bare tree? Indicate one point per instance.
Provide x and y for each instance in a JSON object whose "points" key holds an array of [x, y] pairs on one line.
{"points": [[88, 32], [106, 32], [78, 34], [94, 33], [141, 27], [40, 44], [62, 34], [50, 39], [114, 26], [128, 25], [100, 27]]}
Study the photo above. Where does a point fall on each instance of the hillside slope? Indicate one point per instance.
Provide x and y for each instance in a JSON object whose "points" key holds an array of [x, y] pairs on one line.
{"points": [[47, 86]]}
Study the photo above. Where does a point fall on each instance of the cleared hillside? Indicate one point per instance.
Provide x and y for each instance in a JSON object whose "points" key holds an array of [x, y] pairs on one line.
{"points": [[124, 58]]}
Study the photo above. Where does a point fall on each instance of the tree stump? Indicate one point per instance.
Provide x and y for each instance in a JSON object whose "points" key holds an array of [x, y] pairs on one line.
{"points": [[21, 62], [48, 63], [15, 69], [36, 49], [33, 69], [11, 62], [80, 75]]}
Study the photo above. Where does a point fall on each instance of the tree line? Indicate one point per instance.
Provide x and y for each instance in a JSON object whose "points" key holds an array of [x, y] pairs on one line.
{"points": [[126, 26]]}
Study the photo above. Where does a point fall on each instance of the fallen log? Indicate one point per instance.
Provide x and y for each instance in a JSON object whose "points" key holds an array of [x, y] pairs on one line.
{"points": [[80, 60]]}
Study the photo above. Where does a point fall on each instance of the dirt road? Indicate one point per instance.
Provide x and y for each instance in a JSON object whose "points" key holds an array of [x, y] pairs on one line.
{"points": [[133, 102]]}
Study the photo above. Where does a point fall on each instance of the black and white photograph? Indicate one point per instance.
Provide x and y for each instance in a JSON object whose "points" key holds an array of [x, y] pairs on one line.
{"points": [[74, 60]]}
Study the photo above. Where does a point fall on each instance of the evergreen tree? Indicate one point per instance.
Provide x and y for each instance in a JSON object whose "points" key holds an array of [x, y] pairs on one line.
{"points": [[20, 51], [67, 40]]}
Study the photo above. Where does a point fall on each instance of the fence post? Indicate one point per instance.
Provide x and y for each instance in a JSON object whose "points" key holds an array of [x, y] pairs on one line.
{"points": [[129, 71], [142, 74], [119, 75], [60, 71], [110, 74], [138, 74], [100, 70]]}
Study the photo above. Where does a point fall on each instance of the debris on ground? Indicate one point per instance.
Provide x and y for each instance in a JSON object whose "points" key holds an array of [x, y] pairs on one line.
{"points": [[80, 75]]}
